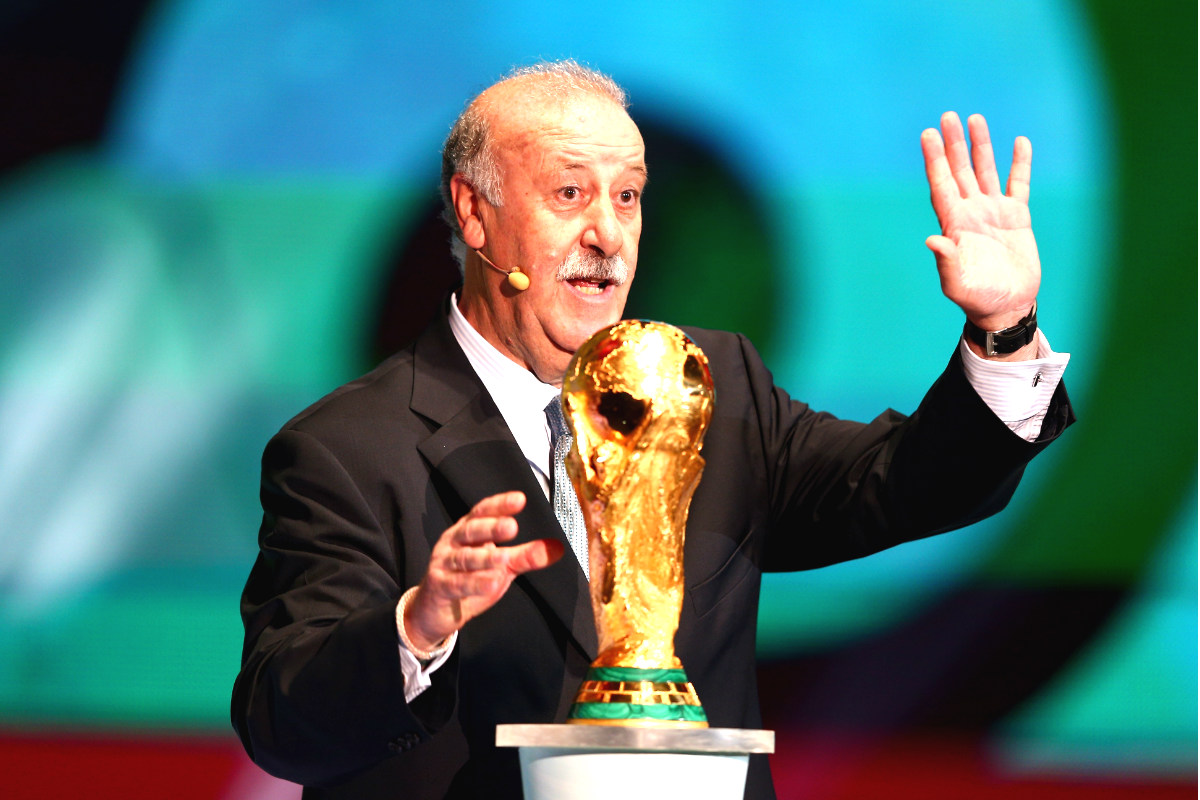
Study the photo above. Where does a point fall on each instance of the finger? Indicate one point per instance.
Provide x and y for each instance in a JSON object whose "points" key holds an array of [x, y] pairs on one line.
{"points": [[472, 532], [482, 522], [498, 505], [982, 156], [473, 559], [958, 155], [533, 555], [1022, 165], [943, 191]]}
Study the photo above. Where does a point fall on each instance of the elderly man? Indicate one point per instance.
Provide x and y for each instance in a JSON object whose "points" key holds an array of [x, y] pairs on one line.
{"points": [[412, 590]]}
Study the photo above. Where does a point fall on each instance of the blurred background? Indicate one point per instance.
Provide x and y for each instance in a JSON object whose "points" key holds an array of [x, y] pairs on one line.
{"points": [[214, 212]]}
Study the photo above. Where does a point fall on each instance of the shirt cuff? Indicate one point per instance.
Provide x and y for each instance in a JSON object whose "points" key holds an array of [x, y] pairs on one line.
{"points": [[419, 676], [1018, 392]]}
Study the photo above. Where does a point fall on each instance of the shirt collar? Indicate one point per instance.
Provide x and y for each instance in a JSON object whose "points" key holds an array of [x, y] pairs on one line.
{"points": [[517, 392]]}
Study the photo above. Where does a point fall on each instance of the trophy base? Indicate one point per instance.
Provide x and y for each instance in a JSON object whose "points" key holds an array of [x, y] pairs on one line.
{"points": [[635, 697], [581, 762]]}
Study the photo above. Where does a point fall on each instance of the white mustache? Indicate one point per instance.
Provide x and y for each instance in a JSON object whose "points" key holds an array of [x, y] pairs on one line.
{"points": [[589, 266]]}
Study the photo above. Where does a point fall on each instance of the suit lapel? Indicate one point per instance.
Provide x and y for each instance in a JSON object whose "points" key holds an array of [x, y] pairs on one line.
{"points": [[473, 452]]}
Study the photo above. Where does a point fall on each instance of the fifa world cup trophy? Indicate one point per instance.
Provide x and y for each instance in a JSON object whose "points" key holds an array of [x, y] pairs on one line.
{"points": [[638, 397]]}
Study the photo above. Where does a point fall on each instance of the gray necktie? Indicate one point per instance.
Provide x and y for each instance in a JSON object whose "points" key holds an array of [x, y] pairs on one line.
{"points": [[566, 503]]}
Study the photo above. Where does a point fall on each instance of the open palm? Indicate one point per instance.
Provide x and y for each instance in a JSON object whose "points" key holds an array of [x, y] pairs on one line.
{"points": [[986, 254]]}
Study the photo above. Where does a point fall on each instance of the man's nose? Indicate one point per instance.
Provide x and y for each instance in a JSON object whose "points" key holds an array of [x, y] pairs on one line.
{"points": [[603, 233]]}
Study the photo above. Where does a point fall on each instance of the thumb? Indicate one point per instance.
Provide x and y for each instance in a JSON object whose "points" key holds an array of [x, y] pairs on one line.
{"points": [[945, 253], [534, 555]]}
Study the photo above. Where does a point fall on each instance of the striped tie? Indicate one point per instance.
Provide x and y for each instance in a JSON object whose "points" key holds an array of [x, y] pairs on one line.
{"points": [[566, 504]]}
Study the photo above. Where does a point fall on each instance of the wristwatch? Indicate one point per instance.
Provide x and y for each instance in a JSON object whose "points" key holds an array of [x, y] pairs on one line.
{"points": [[1009, 340]]}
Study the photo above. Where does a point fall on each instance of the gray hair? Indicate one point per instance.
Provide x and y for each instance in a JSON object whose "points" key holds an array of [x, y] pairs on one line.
{"points": [[469, 148]]}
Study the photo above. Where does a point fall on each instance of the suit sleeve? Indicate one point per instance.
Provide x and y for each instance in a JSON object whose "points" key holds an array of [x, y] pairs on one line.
{"points": [[839, 489], [320, 694]]}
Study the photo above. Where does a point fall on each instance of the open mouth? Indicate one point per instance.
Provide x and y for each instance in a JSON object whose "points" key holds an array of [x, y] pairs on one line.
{"points": [[592, 275], [589, 286]]}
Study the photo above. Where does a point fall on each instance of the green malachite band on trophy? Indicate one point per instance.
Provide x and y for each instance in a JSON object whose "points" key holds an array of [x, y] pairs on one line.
{"points": [[617, 674], [632, 695], [614, 711]]}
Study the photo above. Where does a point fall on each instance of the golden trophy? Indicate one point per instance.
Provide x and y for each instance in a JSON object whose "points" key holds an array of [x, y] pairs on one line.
{"points": [[638, 397]]}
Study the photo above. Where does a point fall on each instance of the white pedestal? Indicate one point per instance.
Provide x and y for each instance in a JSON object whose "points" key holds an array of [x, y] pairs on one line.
{"points": [[609, 762]]}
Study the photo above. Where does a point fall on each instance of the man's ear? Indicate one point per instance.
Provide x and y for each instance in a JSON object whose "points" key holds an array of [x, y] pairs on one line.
{"points": [[467, 202]]}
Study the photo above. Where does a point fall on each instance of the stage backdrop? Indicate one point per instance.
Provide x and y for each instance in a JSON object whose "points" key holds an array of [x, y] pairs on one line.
{"points": [[213, 212]]}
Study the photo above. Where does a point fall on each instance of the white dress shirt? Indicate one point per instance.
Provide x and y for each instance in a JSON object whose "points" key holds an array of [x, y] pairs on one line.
{"points": [[517, 392]]}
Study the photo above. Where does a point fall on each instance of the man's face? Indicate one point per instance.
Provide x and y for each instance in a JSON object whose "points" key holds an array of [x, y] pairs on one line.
{"points": [[572, 177]]}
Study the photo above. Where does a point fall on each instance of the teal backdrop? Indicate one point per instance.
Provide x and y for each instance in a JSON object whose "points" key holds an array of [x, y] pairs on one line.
{"points": [[214, 212]]}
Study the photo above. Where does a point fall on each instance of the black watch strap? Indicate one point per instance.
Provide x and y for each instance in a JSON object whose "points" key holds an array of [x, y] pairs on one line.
{"points": [[1009, 340]]}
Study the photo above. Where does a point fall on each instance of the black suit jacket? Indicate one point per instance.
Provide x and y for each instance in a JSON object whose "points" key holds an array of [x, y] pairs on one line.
{"points": [[357, 488]]}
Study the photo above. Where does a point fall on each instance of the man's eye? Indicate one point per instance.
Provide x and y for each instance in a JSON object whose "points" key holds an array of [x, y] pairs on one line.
{"points": [[570, 192], [628, 196]]}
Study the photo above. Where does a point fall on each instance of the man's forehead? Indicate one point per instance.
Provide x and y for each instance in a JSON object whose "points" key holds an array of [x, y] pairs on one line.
{"points": [[629, 157], [574, 136], [547, 154]]}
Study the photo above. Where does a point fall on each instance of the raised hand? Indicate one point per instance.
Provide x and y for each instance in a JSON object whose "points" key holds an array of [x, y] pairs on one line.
{"points": [[468, 572], [986, 254]]}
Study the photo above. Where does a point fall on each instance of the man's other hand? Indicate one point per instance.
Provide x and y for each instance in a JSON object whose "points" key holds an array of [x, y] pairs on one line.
{"points": [[469, 572]]}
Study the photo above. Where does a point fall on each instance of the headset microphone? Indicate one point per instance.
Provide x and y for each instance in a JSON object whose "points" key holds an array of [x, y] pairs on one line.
{"points": [[516, 279]]}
